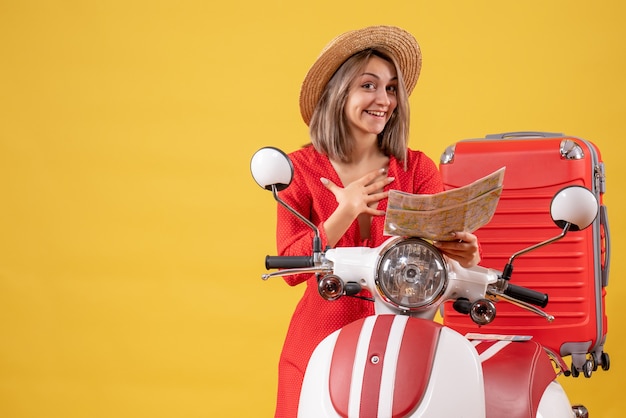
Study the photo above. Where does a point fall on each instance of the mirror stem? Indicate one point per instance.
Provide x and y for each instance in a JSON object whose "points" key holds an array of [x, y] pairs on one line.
{"points": [[317, 242], [508, 269]]}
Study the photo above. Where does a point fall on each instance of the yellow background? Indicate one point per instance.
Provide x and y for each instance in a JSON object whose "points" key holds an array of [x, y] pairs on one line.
{"points": [[132, 236]]}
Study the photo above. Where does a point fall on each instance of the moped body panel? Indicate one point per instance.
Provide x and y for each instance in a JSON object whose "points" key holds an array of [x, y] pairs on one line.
{"points": [[393, 366], [399, 366]]}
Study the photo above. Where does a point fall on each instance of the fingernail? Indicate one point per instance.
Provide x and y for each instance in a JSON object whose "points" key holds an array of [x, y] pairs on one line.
{"points": [[383, 170], [324, 180], [390, 179]]}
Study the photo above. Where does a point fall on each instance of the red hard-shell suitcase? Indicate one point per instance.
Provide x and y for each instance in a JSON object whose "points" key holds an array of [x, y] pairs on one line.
{"points": [[572, 271]]}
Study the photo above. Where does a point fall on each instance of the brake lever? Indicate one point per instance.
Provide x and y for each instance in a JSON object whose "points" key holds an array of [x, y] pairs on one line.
{"points": [[524, 305], [291, 272]]}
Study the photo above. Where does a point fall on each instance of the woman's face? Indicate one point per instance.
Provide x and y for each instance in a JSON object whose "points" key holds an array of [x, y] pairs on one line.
{"points": [[372, 98]]}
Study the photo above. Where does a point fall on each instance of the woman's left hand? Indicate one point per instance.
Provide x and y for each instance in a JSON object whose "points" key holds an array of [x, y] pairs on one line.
{"points": [[463, 248]]}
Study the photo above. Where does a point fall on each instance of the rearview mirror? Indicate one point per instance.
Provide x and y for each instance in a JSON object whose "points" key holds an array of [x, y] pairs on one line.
{"points": [[574, 205], [271, 167]]}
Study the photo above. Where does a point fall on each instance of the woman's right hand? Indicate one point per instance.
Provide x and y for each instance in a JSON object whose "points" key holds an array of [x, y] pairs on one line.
{"points": [[362, 195]]}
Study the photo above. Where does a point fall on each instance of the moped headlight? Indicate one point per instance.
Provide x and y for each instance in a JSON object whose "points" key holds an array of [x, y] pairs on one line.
{"points": [[411, 274]]}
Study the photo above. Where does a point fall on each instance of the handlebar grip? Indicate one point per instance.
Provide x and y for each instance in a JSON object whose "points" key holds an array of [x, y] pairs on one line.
{"points": [[288, 262], [527, 295]]}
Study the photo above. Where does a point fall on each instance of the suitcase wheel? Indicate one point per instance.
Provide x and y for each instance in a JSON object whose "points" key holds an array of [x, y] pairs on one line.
{"points": [[587, 369], [591, 364], [606, 361]]}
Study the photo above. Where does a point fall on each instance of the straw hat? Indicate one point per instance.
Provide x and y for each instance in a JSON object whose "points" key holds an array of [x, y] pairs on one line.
{"points": [[399, 42]]}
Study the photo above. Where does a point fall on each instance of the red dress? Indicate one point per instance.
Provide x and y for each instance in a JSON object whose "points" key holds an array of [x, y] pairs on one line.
{"points": [[314, 318]]}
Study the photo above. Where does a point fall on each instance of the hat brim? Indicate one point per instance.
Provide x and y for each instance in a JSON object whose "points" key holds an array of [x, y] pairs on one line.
{"points": [[397, 41]]}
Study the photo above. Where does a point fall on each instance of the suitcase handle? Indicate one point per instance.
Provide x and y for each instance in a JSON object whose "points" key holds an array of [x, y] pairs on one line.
{"points": [[524, 134], [604, 223]]}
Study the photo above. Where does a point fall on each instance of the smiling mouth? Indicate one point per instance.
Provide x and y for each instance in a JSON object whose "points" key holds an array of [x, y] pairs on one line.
{"points": [[375, 113]]}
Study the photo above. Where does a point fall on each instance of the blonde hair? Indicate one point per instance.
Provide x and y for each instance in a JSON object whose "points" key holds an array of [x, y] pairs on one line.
{"points": [[329, 128]]}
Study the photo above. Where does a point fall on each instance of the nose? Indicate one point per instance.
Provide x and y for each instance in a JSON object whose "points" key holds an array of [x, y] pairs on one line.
{"points": [[382, 97]]}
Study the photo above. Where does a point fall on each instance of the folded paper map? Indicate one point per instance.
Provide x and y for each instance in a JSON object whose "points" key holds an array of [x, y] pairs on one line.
{"points": [[437, 216]]}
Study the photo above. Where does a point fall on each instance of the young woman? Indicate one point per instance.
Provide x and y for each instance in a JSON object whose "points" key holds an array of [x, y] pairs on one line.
{"points": [[355, 101]]}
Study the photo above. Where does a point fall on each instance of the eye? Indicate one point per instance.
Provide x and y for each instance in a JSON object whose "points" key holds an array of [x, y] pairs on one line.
{"points": [[392, 89], [368, 85]]}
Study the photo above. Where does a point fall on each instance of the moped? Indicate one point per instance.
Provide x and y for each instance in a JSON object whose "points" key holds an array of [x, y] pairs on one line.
{"points": [[402, 362]]}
